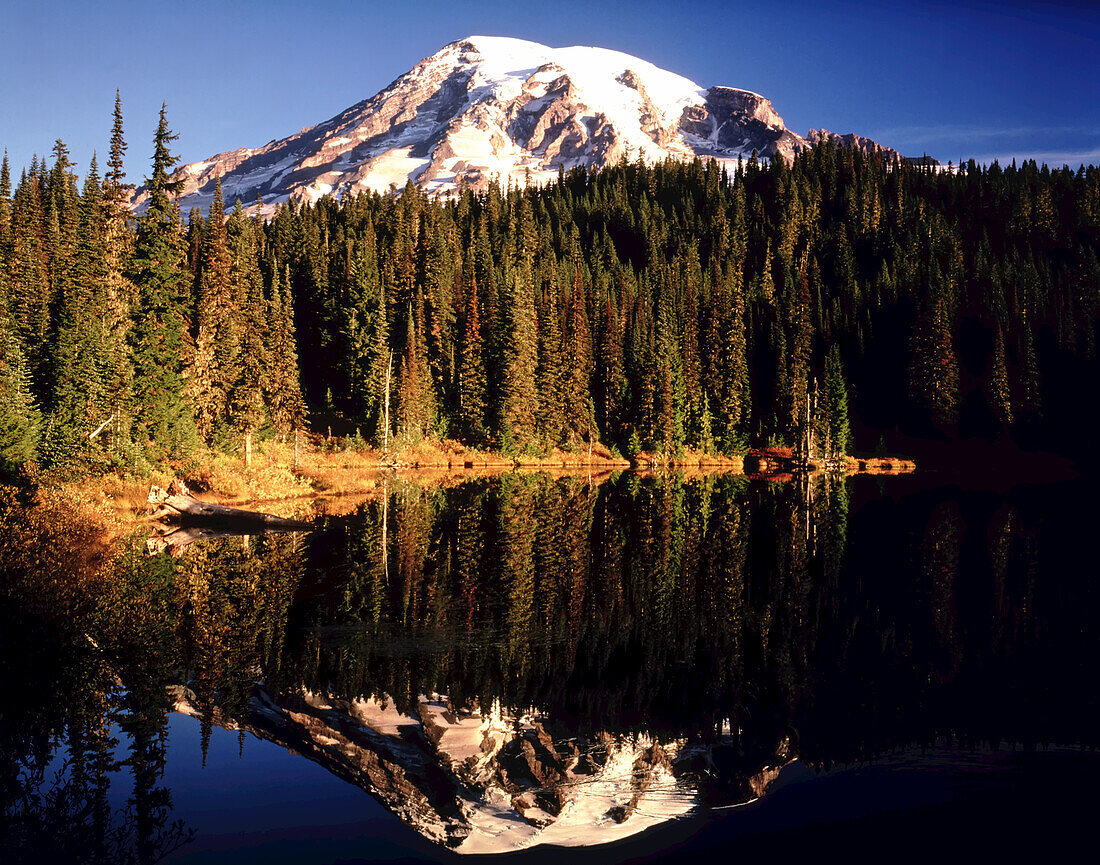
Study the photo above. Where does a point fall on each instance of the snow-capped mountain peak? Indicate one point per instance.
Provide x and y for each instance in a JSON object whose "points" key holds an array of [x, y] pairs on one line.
{"points": [[492, 108]]}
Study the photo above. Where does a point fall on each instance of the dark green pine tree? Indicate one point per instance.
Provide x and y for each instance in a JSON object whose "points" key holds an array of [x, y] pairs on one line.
{"points": [[611, 384], [519, 404], [30, 298], [415, 404], [214, 362], [836, 441], [792, 400], [578, 410], [472, 384], [1030, 400], [366, 332], [282, 383], [121, 294], [1000, 395], [20, 419], [934, 367], [551, 374], [62, 216], [670, 403], [81, 399], [641, 366], [691, 280], [5, 210], [735, 392], [162, 418], [247, 406], [437, 276]]}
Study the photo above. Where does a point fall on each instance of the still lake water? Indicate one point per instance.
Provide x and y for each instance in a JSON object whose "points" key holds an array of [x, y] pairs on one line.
{"points": [[525, 660]]}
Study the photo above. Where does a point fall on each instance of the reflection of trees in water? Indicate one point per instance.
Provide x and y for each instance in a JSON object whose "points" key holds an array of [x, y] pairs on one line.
{"points": [[675, 608], [658, 605], [88, 650]]}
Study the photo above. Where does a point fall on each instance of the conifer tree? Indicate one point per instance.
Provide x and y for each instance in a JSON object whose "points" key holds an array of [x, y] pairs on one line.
{"points": [[612, 387], [214, 368], [1030, 393], [690, 280], [415, 405], [81, 400], [30, 297], [247, 406], [161, 414], [670, 415], [641, 365], [518, 398], [120, 291], [578, 387], [934, 370], [437, 278], [551, 373], [838, 430], [366, 330], [283, 380], [999, 391], [5, 210], [20, 419], [472, 384]]}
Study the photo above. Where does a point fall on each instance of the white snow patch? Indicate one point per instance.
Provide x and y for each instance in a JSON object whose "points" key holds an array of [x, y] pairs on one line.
{"points": [[496, 827], [382, 716], [394, 166], [506, 63]]}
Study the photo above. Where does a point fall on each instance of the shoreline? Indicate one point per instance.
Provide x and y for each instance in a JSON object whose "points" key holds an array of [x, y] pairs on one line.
{"points": [[287, 480]]}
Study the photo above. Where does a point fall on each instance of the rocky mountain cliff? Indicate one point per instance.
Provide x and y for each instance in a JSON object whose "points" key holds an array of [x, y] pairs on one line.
{"points": [[490, 108]]}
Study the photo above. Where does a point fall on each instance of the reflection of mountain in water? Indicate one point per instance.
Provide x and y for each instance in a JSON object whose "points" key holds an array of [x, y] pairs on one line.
{"points": [[484, 783], [612, 654]]}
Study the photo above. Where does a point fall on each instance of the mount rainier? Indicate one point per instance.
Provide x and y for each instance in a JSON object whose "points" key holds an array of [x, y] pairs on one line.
{"points": [[490, 108]]}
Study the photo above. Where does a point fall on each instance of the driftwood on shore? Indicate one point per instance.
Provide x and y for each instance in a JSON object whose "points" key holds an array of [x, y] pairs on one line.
{"points": [[177, 505]]}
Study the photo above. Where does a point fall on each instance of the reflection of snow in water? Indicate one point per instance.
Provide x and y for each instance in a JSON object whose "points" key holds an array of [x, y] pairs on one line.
{"points": [[645, 795]]}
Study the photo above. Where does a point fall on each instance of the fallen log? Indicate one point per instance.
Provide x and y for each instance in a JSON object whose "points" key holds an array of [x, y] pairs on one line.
{"points": [[177, 505]]}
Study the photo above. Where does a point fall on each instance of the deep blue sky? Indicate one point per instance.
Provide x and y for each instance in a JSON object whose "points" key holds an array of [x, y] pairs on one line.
{"points": [[954, 79]]}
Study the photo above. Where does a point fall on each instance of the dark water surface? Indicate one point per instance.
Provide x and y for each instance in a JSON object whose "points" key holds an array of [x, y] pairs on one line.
{"points": [[529, 660]]}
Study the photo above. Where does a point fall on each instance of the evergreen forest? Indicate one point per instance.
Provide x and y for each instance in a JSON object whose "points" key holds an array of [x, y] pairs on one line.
{"points": [[647, 307]]}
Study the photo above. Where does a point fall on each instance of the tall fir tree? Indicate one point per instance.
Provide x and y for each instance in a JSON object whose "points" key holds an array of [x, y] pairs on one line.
{"points": [[162, 416], [472, 384], [81, 402], [551, 374], [836, 437], [120, 291], [5, 210], [30, 297], [519, 405], [20, 419], [214, 368], [366, 331], [282, 383], [578, 408], [248, 408]]}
